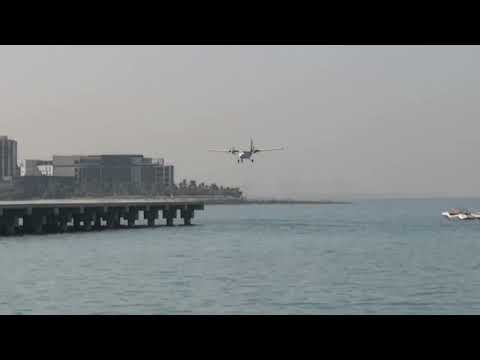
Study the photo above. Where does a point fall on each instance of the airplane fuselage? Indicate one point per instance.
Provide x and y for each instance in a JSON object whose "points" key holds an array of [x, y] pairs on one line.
{"points": [[245, 155]]}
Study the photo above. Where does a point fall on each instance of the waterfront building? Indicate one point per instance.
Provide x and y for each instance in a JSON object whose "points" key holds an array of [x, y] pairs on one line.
{"points": [[115, 174], [37, 168], [8, 159]]}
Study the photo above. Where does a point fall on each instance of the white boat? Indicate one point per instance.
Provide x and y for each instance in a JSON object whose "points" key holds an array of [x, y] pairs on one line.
{"points": [[454, 213], [476, 215], [466, 216], [461, 214]]}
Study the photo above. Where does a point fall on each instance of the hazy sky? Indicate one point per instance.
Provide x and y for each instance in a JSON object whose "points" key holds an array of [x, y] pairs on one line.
{"points": [[381, 120]]}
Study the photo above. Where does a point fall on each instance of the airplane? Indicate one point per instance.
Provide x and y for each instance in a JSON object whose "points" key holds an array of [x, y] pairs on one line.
{"points": [[246, 154]]}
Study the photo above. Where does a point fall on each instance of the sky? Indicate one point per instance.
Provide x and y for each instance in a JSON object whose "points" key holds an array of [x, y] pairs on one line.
{"points": [[356, 121]]}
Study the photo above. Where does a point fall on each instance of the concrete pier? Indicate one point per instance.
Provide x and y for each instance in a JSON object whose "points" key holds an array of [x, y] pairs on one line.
{"points": [[54, 216]]}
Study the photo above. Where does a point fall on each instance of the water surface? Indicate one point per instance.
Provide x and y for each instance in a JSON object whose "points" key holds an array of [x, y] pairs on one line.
{"points": [[369, 257]]}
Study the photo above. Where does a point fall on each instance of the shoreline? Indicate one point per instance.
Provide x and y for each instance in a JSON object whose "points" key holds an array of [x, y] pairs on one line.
{"points": [[275, 202], [205, 200]]}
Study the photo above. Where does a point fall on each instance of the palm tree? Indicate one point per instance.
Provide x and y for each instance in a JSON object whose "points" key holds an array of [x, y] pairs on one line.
{"points": [[183, 184], [201, 189], [192, 184]]}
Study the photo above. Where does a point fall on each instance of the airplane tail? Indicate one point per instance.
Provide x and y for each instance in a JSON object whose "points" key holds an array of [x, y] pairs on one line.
{"points": [[252, 148]]}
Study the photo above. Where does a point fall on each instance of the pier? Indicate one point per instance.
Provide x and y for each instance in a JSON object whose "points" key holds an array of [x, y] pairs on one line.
{"points": [[57, 216]]}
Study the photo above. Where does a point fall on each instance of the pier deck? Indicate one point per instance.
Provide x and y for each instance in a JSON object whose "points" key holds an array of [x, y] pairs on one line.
{"points": [[52, 216]]}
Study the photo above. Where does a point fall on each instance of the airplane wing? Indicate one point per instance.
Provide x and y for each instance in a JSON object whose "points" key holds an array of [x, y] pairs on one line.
{"points": [[274, 149], [231, 151]]}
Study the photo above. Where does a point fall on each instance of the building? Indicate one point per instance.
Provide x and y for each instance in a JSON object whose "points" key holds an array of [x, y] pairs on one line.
{"points": [[157, 175], [165, 175], [8, 159], [114, 174], [37, 168], [44, 187]]}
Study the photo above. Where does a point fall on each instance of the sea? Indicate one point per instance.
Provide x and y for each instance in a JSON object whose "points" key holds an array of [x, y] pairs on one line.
{"points": [[368, 257]]}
